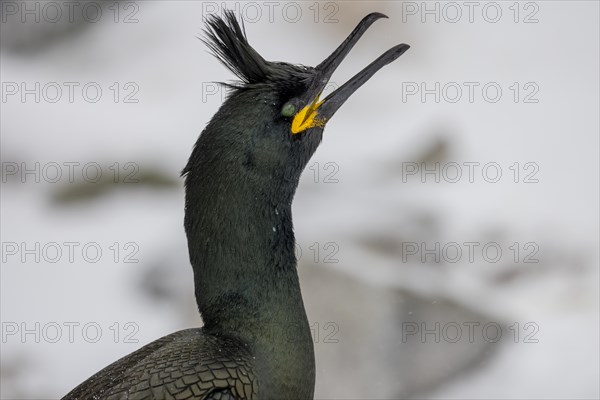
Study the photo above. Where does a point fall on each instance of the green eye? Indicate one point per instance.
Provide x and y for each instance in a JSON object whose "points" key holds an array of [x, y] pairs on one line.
{"points": [[288, 110]]}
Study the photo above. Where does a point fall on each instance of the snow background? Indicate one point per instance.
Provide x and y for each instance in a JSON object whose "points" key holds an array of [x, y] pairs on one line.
{"points": [[370, 293]]}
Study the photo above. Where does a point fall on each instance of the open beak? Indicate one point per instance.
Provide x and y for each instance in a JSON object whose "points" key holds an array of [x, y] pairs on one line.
{"points": [[317, 112]]}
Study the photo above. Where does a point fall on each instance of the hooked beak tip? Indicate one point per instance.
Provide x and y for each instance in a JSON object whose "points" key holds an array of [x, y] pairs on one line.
{"points": [[376, 15]]}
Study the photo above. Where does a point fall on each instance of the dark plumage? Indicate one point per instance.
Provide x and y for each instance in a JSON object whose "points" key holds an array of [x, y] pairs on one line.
{"points": [[240, 181]]}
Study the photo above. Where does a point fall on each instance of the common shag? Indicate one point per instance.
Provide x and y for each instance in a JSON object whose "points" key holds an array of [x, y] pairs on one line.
{"points": [[239, 184]]}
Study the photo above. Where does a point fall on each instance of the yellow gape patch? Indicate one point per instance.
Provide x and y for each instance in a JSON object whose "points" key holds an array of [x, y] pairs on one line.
{"points": [[307, 117]]}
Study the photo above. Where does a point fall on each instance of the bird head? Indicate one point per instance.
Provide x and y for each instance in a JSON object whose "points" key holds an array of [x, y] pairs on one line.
{"points": [[274, 117]]}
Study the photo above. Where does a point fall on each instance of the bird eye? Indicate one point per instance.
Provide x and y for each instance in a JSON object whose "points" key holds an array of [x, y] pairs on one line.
{"points": [[288, 110]]}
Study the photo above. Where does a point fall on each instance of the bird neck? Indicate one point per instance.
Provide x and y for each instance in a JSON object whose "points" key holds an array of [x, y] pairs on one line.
{"points": [[242, 250]]}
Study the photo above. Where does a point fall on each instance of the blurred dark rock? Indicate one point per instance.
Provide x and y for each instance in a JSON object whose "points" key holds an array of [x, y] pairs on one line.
{"points": [[168, 283], [365, 342], [87, 191], [29, 27], [10, 371]]}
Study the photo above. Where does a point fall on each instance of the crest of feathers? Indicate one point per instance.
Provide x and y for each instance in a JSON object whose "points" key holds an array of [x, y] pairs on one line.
{"points": [[227, 40]]}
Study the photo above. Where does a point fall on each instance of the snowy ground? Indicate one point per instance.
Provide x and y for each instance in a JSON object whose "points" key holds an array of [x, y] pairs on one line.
{"points": [[372, 219]]}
